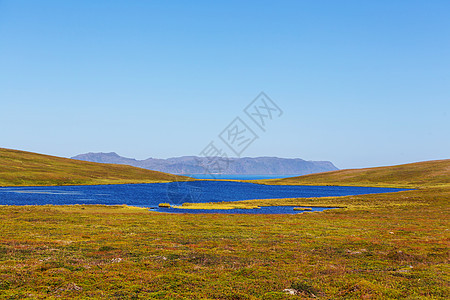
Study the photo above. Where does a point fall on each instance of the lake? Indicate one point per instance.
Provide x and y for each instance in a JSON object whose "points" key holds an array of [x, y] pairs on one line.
{"points": [[237, 176], [150, 195]]}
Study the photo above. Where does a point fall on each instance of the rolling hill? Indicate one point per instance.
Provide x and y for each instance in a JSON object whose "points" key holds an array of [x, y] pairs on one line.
{"points": [[20, 168], [428, 173]]}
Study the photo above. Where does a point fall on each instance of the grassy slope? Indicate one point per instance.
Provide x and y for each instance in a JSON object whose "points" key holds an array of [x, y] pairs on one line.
{"points": [[428, 173], [20, 168]]}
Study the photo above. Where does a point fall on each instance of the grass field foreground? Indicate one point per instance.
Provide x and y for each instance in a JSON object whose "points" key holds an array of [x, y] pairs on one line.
{"points": [[396, 247]]}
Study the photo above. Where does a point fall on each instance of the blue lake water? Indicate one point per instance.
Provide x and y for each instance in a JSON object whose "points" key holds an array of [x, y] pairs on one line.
{"points": [[238, 176], [150, 195]]}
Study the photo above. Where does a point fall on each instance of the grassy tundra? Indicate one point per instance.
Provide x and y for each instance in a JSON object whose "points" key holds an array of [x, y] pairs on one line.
{"points": [[391, 245], [415, 175]]}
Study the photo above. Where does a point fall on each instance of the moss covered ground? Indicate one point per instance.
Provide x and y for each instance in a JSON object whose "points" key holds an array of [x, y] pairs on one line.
{"points": [[381, 246]]}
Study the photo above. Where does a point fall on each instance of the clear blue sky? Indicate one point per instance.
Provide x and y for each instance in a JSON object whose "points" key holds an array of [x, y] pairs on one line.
{"points": [[361, 83]]}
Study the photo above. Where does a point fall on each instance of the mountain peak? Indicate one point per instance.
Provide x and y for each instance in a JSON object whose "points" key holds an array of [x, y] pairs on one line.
{"points": [[235, 166]]}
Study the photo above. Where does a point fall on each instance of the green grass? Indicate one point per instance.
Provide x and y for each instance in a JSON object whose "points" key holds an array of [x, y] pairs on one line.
{"points": [[20, 168], [303, 208]]}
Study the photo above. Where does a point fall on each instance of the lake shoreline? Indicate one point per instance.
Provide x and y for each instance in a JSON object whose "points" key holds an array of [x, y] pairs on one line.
{"points": [[207, 196]]}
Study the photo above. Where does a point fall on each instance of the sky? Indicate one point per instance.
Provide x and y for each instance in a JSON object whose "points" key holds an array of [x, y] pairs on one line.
{"points": [[359, 83]]}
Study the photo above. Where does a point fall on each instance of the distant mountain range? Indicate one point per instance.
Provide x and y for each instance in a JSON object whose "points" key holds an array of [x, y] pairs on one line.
{"points": [[234, 166]]}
